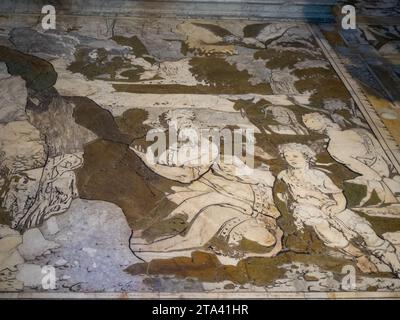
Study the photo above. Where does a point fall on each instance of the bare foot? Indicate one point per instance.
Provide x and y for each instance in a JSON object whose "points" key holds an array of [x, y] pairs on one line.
{"points": [[365, 265]]}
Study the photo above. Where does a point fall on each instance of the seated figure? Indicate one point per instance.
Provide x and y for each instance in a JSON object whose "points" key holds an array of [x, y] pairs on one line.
{"points": [[361, 152], [223, 203], [315, 201]]}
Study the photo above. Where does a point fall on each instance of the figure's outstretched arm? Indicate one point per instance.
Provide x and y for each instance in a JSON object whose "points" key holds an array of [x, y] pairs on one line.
{"points": [[180, 174]]}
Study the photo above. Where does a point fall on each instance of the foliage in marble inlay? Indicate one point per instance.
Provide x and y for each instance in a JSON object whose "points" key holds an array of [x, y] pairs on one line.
{"points": [[78, 190]]}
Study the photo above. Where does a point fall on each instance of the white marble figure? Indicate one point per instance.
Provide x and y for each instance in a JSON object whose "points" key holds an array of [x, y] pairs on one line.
{"points": [[186, 158], [190, 149], [225, 199], [221, 204], [361, 152], [315, 201], [286, 122]]}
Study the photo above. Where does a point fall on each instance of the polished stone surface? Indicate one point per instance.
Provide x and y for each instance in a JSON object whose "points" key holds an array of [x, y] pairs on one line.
{"points": [[81, 193], [315, 10]]}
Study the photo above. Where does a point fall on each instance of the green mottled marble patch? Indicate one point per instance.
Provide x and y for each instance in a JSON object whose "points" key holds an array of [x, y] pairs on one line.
{"points": [[38, 73]]}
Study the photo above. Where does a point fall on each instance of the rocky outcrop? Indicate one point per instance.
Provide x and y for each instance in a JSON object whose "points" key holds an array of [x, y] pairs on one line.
{"points": [[9, 258], [34, 244], [46, 45], [38, 73], [30, 275], [21, 146], [57, 124], [93, 238], [13, 96], [9, 241]]}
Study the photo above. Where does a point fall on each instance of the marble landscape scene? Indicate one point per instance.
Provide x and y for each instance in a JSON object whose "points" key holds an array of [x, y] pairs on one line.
{"points": [[79, 195]]}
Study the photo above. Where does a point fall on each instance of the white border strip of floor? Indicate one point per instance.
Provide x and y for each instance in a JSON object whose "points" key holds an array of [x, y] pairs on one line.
{"points": [[204, 295], [388, 143]]}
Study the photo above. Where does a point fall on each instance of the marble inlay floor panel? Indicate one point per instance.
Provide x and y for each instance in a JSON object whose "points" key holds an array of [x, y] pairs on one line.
{"points": [[316, 213]]}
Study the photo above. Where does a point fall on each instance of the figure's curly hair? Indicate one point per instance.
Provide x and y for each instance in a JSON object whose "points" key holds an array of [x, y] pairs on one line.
{"points": [[305, 150], [316, 115], [321, 118], [183, 113]]}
